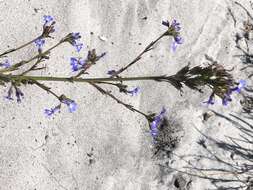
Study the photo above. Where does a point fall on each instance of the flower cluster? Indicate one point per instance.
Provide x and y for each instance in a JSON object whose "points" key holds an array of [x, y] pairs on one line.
{"points": [[83, 64], [48, 28], [174, 30]]}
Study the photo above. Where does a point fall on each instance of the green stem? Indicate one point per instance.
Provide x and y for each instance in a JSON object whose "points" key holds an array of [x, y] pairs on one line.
{"points": [[72, 79]]}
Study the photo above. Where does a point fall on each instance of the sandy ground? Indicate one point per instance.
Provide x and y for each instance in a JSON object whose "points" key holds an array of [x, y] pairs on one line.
{"points": [[103, 145]]}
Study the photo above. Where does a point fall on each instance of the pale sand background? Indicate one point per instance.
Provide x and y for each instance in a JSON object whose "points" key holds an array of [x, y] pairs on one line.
{"points": [[120, 140]]}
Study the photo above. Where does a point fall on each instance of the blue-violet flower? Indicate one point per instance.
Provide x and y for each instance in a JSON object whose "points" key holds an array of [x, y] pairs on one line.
{"points": [[227, 98], [210, 101], [48, 19], [76, 63], [51, 111], [156, 122], [177, 41], [241, 85], [135, 91], [71, 105], [39, 43], [74, 37], [9, 94], [19, 94], [176, 25], [111, 72], [5, 64]]}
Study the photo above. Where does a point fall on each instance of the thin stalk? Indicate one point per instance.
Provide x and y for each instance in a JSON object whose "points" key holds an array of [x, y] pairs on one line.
{"points": [[128, 106], [32, 67], [21, 63], [148, 48], [42, 86], [18, 48]]}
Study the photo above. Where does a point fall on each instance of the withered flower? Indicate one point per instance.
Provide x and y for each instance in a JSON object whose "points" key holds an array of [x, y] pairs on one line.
{"points": [[215, 76]]}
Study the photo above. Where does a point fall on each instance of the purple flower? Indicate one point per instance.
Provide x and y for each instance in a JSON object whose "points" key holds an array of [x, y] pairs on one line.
{"points": [[154, 129], [9, 94], [73, 39], [241, 85], [111, 72], [176, 25], [210, 101], [166, 23], [39, 43], [78, 46], [225, 101], [226, 98], [76, 63], [8, 97], [156, 122], [19, 94], [71, 105], [5, 64], [50, 112], [177, 41], [76, 35], [47, 19], [135, 91]]}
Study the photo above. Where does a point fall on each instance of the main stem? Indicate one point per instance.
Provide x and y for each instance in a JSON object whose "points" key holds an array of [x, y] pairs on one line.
{"points": [[72, 79]]}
